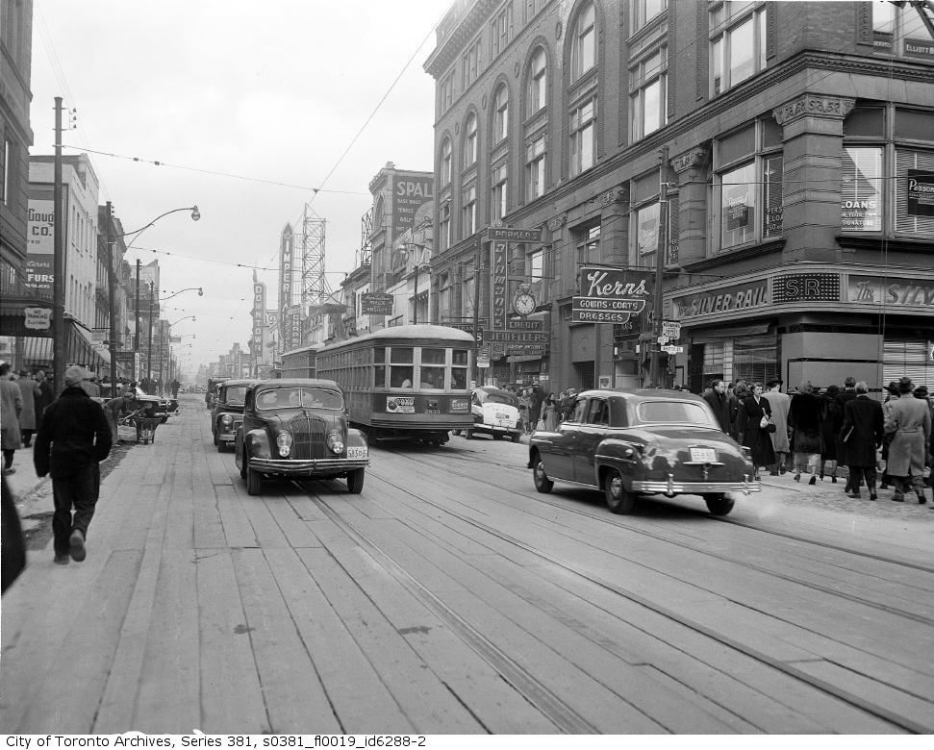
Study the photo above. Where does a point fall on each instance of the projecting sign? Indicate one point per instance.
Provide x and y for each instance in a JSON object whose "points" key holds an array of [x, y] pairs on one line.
{"points": [[376, 303], [611, 295], [515, 337], [507, 234], [673, 349], [671, 330]]}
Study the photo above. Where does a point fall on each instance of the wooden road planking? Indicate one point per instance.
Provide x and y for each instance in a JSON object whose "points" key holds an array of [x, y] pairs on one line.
{"points": [[432, 605]]}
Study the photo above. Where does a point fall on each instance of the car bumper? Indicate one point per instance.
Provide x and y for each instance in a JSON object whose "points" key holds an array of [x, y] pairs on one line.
{"points": [[311, 467], [496, 429], [673, 486]]}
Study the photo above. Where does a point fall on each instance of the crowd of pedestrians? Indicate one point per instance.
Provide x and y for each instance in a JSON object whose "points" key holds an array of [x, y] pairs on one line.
{"points": [[831, 432]]}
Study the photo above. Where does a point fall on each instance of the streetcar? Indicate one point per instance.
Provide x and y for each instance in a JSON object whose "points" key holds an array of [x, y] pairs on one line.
{"points": [[298, 363], [406, 382]]}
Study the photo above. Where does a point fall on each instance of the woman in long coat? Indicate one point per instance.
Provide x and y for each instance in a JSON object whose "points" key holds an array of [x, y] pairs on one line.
{"points": [[11, 404], [549, 413], [754, 436], [831, 422], [804, 420]]}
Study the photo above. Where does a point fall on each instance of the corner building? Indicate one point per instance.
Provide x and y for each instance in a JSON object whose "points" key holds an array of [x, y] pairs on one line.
{"points": [[795, 141]]}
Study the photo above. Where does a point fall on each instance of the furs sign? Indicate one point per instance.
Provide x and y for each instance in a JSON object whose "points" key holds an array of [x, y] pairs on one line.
{"points": [[611, 295]]}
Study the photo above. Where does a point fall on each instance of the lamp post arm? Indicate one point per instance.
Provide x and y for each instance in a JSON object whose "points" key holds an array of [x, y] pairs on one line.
{"points": [[195, 214]]}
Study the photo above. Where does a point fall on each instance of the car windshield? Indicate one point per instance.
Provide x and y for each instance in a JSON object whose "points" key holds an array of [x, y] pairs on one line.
{"points": [[236, 394], [500, 397], [297, 396], [674, 412]]}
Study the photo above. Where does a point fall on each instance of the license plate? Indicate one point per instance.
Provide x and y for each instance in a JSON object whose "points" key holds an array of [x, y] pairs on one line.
{"points": [[703, 454], [356, 451]]}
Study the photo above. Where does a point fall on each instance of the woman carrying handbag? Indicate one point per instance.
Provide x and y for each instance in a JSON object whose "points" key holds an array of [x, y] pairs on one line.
{"points": [[755, 425]]}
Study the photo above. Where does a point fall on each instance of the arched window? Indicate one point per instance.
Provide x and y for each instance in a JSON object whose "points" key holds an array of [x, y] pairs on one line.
{"points": [[446, 162], [500, 113], [584, 42], [537, 82], [470, 140]]}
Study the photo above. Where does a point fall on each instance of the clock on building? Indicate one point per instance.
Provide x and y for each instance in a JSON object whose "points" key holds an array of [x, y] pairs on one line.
{"points": [[524, 303]]}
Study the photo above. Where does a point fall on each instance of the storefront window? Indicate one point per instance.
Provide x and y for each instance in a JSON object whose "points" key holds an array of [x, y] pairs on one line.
{"points": [[861, 191], [755, 359]]}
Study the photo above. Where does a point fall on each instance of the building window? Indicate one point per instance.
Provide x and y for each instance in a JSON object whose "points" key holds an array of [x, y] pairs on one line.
{"points": [[584, 43], [471, 64], [535, 269], [537, 82], [444, 225], [648, 83], [470, 211], [446, 162], [898, 31], [588, 245], [5, 172], [532, 7], [737, 44], [502, 29], [644, 11], [470, 141], [583, 140], [535, 168], [501, 114], [748, 186], [447, 92], [500, 192], [887, 184]]}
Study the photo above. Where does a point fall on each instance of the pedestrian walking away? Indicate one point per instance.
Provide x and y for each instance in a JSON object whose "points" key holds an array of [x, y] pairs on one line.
{"points": [[804, 420], [831, 421], [720, 403], [29, 387], [862, 432], [780, 403], [72, 440], [908, 422], [11, 406]]}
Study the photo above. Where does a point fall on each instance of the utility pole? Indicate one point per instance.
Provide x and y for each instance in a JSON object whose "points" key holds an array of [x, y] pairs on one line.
{"points": [[660, 255], [58, 281], [149, 355], [476, 313], [136, 327], [112, 302]]}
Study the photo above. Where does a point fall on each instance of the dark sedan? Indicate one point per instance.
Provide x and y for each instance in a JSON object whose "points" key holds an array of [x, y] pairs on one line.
{"points": [[298, 428], [635, 443], [227, 413]]}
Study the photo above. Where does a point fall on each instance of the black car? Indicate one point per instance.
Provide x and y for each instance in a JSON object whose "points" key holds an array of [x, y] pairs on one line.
{"points": [[298, 428], [641, 443], [227, 414]]}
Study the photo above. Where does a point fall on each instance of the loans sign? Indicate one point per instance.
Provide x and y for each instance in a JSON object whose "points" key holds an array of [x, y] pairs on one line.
{"points": [[611, 295]]}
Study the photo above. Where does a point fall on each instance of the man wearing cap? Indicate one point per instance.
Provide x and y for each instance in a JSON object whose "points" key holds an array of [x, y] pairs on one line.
{"points": [[73, 439], [908, 422]]}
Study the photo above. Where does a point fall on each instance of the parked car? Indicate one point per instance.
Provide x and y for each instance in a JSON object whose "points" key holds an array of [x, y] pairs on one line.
{"points": [[496, 413], [298, 428], [644, 442], [227, 414], [161, 406], [211, 393]]}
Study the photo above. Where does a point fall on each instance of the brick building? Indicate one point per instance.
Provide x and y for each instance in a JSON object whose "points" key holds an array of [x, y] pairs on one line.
{"points": [[793, 143]]}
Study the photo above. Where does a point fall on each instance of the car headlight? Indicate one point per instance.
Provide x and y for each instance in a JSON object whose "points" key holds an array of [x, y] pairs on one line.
{"points": [[226, 420], [335, 442], [284, 443]]}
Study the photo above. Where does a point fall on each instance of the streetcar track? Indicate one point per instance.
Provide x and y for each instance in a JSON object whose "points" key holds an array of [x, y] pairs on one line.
{"points": [[724, 639]]}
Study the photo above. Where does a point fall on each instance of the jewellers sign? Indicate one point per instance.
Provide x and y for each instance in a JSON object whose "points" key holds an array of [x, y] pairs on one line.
{"points": [[611, 295]]}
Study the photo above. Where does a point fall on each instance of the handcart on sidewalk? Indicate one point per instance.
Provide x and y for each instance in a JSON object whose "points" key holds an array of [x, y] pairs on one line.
{"points": [[146, 428]]}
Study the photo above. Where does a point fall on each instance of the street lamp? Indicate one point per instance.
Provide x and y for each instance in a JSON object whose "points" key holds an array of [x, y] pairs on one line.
{"points": [[197, 289]]}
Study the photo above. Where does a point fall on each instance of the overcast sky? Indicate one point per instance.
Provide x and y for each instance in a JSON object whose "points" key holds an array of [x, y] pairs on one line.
{"points": [[249, 107]]}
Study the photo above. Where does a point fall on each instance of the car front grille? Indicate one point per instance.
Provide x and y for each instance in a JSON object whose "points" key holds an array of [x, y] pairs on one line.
{"points": [[309, 435]]}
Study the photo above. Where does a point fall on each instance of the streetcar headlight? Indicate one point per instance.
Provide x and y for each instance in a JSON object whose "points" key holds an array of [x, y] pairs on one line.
{"points": [[335, 442], [284, 442]]}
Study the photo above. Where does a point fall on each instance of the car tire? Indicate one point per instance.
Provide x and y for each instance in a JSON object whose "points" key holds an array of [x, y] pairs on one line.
{"points": [[355, 481], [221, 446], [542, 482], [468, 434], [254, 481], [719, 504], [243, 466], [618, 499], [215, 438]]}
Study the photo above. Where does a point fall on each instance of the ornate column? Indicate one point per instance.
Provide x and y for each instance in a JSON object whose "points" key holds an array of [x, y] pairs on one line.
{"points": [[813, 142]]}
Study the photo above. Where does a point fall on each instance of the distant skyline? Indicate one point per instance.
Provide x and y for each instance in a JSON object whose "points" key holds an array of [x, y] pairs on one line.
{"points": [[244, 110]]}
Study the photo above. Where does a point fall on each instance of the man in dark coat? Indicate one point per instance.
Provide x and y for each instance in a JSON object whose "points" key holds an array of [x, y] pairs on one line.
{"points": [[73, 439], [863, 430], [720, 404], [848, 394]]}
